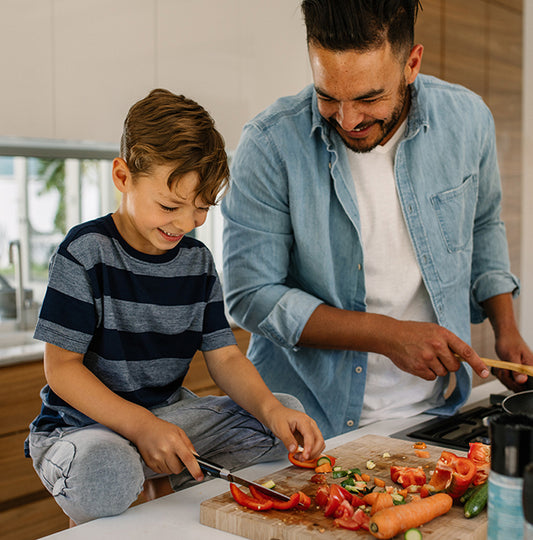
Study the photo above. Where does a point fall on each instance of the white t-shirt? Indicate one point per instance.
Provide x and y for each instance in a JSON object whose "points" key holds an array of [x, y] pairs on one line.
{"points": [[393, 281]]}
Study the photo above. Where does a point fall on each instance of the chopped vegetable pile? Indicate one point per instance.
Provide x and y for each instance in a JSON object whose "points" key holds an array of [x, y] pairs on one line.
{"points": [[356, 501]]}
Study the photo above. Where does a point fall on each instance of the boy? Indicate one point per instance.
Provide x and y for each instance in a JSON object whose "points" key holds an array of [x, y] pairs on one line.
{"points": [[129, 301]]}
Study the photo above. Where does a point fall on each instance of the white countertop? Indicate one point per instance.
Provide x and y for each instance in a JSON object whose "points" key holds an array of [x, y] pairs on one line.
{"points": [[178, 515]]}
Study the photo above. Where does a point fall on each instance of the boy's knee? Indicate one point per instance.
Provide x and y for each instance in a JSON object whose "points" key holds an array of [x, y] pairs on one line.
{"points": [[103, 481]]}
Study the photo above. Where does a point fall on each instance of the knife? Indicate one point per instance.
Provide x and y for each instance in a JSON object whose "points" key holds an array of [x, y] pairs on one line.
{"points": [[217, 471]]}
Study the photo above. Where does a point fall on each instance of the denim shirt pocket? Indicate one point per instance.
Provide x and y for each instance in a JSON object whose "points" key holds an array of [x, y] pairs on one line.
{"points": [[455, 210]]}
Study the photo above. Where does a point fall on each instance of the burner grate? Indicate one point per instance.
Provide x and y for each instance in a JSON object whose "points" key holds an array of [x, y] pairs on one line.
{"points": [[456, 431]]}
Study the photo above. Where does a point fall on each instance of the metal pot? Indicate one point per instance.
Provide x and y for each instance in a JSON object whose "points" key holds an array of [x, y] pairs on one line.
{"points": [[519, 403]]}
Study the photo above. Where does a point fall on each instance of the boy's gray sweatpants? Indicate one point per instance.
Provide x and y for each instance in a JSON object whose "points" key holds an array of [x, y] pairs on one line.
{"points": [[93, 472]]}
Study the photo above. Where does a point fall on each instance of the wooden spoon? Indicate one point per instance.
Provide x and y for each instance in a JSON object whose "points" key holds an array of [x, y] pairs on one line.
{"points": [[520, 368]]}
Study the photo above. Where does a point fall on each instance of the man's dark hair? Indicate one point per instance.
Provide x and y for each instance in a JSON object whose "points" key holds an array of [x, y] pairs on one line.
{"points": [[361, 25]]}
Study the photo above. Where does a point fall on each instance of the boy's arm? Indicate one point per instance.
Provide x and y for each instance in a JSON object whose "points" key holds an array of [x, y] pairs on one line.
{"points": [[163, 446], [239, 378]]}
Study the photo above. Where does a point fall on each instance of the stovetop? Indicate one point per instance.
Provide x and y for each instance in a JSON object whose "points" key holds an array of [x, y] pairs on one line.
{"points": [[459, 430]]}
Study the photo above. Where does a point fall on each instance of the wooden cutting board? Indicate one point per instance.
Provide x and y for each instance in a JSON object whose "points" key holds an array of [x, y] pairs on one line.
{"points": [[223, 513]]}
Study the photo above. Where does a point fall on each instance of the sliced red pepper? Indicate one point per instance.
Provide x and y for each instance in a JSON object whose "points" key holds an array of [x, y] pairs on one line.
{"points": [[479, 453], [452, 474], [309, 464], [305, 500], [408, 476], [276, 503], [247, 501]]}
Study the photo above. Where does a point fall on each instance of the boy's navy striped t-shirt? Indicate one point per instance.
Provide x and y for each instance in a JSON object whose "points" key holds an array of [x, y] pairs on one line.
{"points": [[138, 319]]}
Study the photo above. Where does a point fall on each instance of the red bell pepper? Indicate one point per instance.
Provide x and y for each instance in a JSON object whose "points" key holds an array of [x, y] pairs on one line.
{"points": [[479, 453], [452, 474], [408, 476], [276, 503], [247, 501]]}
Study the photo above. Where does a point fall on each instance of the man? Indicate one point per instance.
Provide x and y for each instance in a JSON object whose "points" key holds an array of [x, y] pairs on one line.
{"points": [[363, 230]]}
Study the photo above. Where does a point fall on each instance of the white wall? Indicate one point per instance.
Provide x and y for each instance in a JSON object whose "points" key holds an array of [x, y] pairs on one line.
{"points": [[526, 275], [72, 68]]}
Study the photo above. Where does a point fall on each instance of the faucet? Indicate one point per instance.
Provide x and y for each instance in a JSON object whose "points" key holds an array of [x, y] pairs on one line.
{"points": [[14, 246]]}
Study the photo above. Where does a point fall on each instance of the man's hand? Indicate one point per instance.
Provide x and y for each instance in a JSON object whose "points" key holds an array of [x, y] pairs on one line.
{"points": [[510, 347], [428, 350], [294, 429]]}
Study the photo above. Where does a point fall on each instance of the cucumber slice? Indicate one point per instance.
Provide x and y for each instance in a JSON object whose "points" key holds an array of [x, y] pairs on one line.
{"points": [[412, 534], [322, 460]]}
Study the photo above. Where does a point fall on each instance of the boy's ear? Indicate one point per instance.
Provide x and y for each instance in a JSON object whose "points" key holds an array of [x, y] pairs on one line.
{"points": [[121, 174]]}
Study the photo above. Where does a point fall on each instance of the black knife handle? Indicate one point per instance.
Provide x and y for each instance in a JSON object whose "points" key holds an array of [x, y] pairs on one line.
{"points": [[212, 468]]}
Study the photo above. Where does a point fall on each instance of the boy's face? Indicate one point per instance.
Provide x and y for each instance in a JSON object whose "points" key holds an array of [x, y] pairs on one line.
{"points": [[152, 217]]}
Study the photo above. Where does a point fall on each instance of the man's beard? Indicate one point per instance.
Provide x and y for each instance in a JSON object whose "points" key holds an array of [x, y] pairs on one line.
{"points": [[387, 126]]}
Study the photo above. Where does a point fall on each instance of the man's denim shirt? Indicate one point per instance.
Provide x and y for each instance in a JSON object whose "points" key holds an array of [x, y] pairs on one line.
{"points": [[292, 240]]}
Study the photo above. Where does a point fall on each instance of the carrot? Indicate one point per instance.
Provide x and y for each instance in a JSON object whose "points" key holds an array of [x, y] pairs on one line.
{"points": [[383, 500], [370, 498], [323, 468], [379, 482], [365, 477], [358, 477], [422, 453], [389, 522]]}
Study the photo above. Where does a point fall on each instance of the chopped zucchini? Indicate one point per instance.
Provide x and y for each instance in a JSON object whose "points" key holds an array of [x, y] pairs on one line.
{"points": [[348, 482], [322, 460], [269, 484], [354, 471], [397, 498], [337, 468], [412, 534], [370, 464], [339, 474]]}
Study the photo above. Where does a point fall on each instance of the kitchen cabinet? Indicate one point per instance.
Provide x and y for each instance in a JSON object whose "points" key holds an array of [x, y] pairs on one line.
{"points": [[27, 511]]}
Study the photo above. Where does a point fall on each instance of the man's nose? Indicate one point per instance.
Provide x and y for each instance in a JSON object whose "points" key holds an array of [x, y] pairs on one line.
{"points": [[348, 116]]}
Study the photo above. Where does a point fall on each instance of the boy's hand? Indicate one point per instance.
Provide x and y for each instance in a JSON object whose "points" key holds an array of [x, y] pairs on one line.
{"points": [[165, 448], [294, 429]]}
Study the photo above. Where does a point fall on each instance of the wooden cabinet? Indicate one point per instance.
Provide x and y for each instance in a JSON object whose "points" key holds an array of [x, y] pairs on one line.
{"points": [[27, 510]]}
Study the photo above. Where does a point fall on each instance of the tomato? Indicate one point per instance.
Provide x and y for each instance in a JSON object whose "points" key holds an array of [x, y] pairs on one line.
{"points": [[334, 500], [305, 500], [247, 501], [362, 518], [347, 523], [276, 503], [357, 501], [408, 476], [322, 495], [319, 478], [479, 453], [344, 510]]}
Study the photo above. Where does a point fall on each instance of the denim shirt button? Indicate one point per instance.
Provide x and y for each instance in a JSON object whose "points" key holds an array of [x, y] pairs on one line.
{"points": [[350, 423], [358, 369]]}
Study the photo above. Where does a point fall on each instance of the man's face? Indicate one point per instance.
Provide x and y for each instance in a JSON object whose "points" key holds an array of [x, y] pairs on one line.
{"points": [[363, 95]]}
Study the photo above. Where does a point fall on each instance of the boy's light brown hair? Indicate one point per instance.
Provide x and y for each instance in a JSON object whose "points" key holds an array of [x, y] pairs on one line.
{"points": [[165, 127]]}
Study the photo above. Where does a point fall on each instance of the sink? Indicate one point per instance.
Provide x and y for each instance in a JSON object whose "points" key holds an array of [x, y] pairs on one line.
{"points": [[19, 346]]}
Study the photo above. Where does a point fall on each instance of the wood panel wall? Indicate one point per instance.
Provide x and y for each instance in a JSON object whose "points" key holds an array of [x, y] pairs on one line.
{"points": [[479, 44]]}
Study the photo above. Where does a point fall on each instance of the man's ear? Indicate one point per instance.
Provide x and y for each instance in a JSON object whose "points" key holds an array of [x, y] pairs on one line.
{"points": [[414, 62], [121, 175]]}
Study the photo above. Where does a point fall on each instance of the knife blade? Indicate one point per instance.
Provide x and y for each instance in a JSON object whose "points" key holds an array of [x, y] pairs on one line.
{"points": [[220, 472]]}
